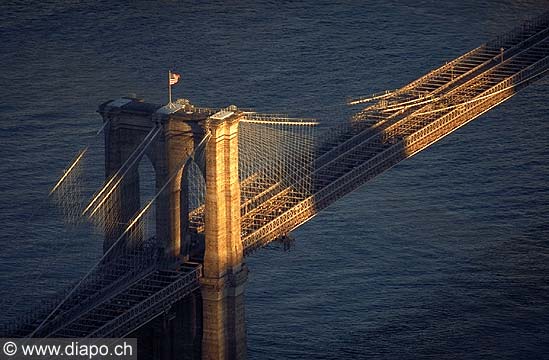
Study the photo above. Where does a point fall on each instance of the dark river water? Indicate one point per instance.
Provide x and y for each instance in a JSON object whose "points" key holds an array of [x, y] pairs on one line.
{"points": [[445, 256]]}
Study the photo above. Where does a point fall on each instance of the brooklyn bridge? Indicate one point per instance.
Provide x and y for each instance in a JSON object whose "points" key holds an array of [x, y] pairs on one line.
{"points": [[230, 181]]}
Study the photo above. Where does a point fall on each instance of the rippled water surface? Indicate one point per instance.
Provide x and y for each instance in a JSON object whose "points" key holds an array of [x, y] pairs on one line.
{"points": [[444, 256]]}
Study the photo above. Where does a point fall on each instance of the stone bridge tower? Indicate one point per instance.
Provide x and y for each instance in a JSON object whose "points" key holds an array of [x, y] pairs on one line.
{"points": [[224, 333], [179, 128]]}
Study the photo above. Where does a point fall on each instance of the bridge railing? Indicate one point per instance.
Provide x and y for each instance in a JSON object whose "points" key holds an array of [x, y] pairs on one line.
{"points": [[75, 299], [390, 156], [492, 97], [528, 25], [511, 36], [456, 83], [151, 307], [66, 318], [29, 317]]}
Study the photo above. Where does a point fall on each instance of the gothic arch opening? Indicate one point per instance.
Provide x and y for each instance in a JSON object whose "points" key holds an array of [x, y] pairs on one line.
{"points": [[147, 191], [193, 195]]}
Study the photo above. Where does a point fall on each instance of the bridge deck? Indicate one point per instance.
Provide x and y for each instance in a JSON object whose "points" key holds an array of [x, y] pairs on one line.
{"points": [[399, 126], [107, 318], [115, 302]]}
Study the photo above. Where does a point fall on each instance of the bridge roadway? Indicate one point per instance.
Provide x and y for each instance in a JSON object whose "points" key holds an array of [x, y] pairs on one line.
{"points": [[396, 126]]}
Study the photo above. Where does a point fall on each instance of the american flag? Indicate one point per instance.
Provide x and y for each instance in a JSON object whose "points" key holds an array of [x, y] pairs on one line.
{"points": [[174, 78]]}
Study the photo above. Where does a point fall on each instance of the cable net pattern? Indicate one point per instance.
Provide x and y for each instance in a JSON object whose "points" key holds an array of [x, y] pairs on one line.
{"points": [[276, 157]]}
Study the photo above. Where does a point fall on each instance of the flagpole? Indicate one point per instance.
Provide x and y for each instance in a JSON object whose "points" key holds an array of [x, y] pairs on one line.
{"points": [[169, 87]]}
